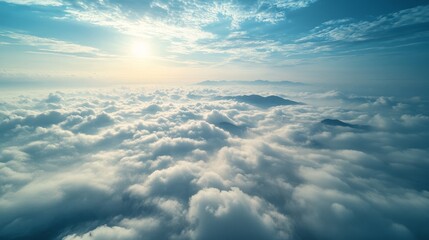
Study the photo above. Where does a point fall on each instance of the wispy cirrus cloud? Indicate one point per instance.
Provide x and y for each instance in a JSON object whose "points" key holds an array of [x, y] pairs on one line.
{"points": [[184, 26], [35, 2], [385, 26], [49, 45], [179, 14], [200, 13], [289, 4], [213, 33]]}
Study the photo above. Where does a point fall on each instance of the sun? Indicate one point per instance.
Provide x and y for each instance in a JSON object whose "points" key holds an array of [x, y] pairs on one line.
{"points": [[140, 50]]}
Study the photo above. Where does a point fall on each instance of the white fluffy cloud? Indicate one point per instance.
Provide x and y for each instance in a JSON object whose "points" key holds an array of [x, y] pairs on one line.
{"points": [[169, 164]]}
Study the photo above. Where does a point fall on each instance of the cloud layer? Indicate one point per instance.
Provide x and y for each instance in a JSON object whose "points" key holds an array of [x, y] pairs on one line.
{"points": [[160, 163]]}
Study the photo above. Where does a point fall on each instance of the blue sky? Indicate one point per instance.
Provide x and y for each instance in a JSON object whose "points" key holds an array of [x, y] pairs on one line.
{"points": [[316, 41]]}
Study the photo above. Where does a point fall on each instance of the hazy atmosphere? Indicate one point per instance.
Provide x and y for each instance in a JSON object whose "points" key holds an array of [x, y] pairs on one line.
{"points": [[233, 119]]}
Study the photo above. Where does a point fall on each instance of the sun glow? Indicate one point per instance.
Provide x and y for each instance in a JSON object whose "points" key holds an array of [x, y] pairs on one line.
{"points": [[140, 50]]}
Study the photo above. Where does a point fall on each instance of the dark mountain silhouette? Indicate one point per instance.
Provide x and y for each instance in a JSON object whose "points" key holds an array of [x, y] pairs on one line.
{"points": [[339, 123], [263, 102]]}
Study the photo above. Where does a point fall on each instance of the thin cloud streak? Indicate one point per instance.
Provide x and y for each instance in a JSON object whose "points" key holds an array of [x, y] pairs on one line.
{"points": [[348, 31], [35, 2], [48, 44]]}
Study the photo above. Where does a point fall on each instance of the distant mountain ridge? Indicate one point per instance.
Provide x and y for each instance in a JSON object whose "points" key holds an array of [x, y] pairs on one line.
{"points": [[263, 102], [250, 83]]}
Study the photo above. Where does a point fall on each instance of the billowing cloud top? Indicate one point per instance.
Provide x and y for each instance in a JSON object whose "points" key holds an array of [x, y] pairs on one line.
{"points": [[188, 163]]}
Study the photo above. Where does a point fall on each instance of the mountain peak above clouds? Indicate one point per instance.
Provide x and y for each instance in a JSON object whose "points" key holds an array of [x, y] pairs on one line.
{"points": [[263, 102], [339, 123]]}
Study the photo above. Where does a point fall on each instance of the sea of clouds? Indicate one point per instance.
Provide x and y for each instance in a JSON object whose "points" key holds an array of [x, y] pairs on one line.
{"points": [[187, 163]]}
